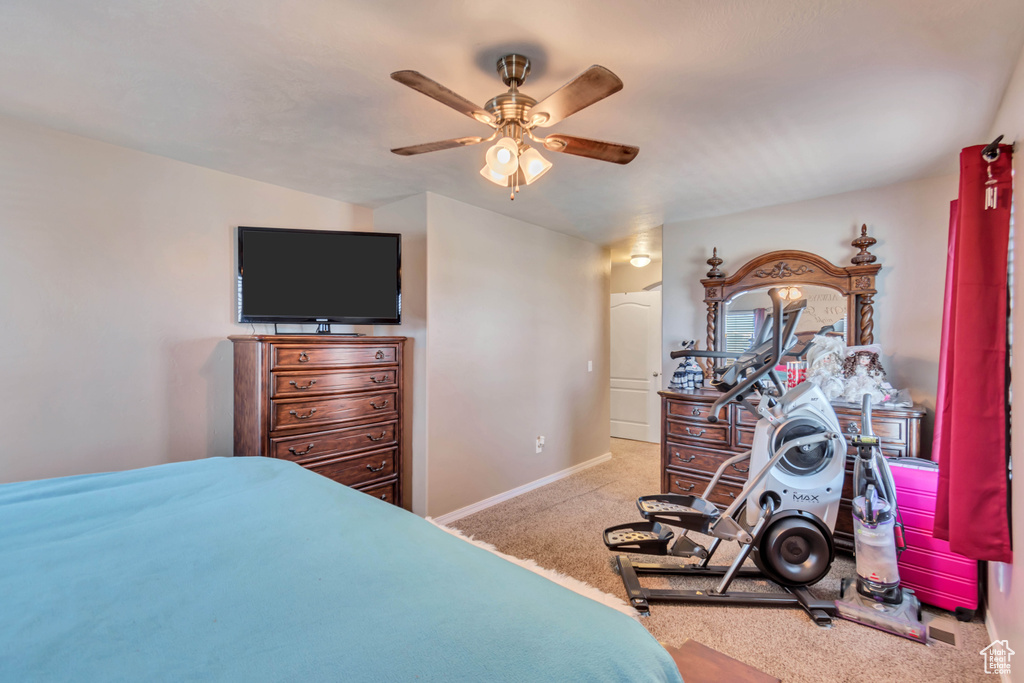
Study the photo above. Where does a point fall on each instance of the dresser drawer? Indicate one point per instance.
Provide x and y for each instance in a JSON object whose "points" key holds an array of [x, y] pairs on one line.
{"points": [[844, 521], [387, 492], [351, 471], [686, 457], [326, 410], [743, 437], [723, 496], [334, 442], [742, 416], [286, 384], [706, 433], [888, 450], [889, 430], [695, 411], [296, 356]]}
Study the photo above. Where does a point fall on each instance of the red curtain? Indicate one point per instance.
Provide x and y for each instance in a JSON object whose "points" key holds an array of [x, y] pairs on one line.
{"points": [[971, 419]]}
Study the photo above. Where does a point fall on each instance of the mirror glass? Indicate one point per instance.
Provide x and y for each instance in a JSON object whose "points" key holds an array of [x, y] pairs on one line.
{"points": [[746, 311]]}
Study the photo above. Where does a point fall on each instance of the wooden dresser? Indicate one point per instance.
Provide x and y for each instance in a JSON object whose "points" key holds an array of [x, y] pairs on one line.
{"points": [[331, 404], [692, 448]]}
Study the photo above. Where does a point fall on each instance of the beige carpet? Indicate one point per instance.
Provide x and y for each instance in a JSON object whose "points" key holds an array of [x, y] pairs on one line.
{"points": [[560, 527]]}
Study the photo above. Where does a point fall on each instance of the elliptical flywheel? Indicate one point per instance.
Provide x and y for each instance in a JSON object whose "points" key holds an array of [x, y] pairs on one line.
{"points": [[795, 550], [805, 460]]}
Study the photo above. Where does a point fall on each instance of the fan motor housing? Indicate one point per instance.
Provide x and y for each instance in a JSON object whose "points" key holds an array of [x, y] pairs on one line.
{"points": [[513, 68], [510, 106]]}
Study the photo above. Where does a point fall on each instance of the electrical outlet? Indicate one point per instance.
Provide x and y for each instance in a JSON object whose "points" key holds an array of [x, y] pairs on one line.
{"points": [[540, 443], [590, 366]]}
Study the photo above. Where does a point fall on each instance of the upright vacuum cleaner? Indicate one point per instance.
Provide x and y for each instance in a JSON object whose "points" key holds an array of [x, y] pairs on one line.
{"points": [[876, 598]]}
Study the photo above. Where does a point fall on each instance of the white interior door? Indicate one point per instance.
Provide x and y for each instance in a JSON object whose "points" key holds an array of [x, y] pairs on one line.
{"points": [[636, 366]]}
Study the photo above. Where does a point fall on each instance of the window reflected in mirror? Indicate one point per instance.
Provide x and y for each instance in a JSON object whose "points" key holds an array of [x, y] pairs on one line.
{"points": [[747, 311]]}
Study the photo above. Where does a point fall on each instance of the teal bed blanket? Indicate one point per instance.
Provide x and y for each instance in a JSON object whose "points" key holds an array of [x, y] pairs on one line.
{"points": [[252, 569]]}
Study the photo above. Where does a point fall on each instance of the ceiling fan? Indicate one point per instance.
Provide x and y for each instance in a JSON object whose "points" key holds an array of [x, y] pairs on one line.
{"points": [[514, 115]]}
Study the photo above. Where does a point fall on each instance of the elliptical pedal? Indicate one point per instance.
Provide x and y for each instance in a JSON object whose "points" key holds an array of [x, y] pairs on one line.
{"points": [[649, 538], [689, 512]]}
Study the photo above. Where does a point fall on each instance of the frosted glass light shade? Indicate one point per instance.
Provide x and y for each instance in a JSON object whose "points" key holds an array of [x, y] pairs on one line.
{"points": [[533, 165], [640, 260], [790, 293], [503, 156], [496, 178]]}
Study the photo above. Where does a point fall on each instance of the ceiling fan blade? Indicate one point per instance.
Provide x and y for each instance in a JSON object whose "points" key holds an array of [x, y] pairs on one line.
{"points": [[593, 85], [437, 146], [594, 149], [431, 88]]}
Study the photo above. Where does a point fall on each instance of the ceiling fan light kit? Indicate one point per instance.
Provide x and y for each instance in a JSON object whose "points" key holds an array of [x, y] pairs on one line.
{"points": [[496, 178], [533, 165], [513, 115], [503, 157]]}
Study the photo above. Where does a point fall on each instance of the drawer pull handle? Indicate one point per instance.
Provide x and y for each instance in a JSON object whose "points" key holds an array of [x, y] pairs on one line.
{"points": [[695, 412], [303, 357], [700, 433], [690, 459], [371, 437], [311, 383], [680, 486], [382, 380], [383, 496], [377, 469], [740, 469], [308, 449], [382, 405], [302, 417], [730, 494], [379, 355], [852, 428]]}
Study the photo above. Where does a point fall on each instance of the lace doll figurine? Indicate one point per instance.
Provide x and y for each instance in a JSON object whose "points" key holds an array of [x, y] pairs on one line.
{"points": [[825, 365], [865, 375]]}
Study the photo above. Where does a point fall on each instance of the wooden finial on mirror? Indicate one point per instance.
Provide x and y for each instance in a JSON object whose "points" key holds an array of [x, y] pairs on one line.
{"points": [[714, 262], [863, 243]]}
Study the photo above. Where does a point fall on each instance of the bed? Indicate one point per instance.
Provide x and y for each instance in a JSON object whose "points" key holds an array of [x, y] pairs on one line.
{"points": [[254, 569]]}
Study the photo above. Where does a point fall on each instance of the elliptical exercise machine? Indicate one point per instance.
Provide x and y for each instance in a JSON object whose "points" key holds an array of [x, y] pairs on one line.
{"points": [[783, 518]]}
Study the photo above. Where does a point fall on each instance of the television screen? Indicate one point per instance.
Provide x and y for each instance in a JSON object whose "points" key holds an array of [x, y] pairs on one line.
{"points": [[319, 276]]}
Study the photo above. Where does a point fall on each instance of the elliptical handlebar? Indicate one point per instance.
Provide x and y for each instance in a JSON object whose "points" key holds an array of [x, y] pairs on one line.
{"points": [[760, 360], [755, 363], [782, 330]]}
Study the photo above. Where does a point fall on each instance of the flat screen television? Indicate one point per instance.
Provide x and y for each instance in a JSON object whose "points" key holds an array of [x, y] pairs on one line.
{"points": [[319, 276]]}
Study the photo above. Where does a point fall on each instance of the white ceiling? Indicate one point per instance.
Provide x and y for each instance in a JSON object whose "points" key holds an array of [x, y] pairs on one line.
{"points": [[647, 242], [734, 104]]}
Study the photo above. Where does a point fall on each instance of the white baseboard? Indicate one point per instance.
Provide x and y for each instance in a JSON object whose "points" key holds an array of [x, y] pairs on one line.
{"points": [[519, 490]]}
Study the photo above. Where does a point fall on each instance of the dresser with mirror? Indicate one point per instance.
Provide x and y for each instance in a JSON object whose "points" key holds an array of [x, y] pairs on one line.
{"points": [[693, 448]]}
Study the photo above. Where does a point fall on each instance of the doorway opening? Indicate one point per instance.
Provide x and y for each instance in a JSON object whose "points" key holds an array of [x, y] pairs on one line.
{"points": [[635, 344]]}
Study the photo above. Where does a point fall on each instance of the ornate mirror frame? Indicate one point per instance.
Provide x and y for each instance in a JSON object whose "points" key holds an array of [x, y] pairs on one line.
{"points": [[788, 267]]}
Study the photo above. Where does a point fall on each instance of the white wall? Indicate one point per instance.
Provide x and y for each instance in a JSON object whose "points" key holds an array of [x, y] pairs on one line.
{"points": [[409, 217], [909, 220], [117, 293], [117, 287], [1006, 582], [515, 311], [626, 277]]}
